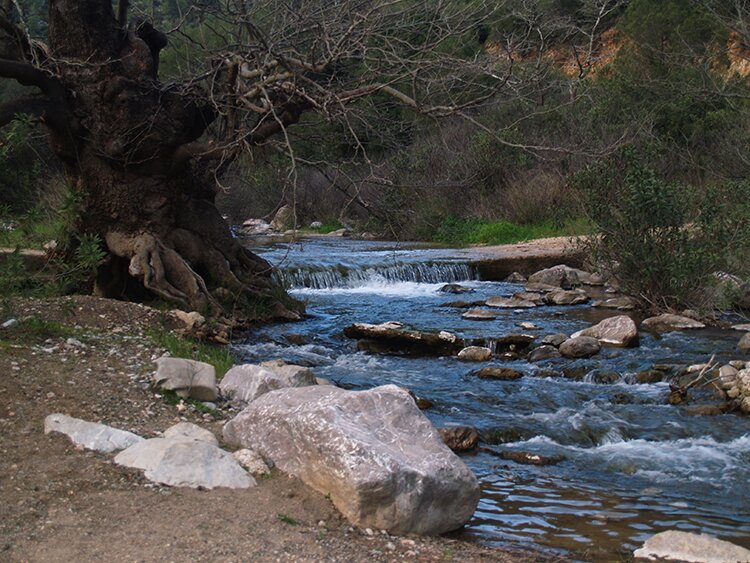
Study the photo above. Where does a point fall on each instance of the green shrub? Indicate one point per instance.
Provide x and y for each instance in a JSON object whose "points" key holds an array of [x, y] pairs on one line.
{"points": [[665, 240]]}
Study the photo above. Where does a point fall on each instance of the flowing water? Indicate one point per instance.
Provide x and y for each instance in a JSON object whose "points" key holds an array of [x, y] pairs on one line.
{"points": [[632, 465]]}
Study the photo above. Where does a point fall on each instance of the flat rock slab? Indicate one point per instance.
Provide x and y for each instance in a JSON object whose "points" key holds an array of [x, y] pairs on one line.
{"points": [[190, 432], [668, 322], [509, 303], [479, 315], [187, 378], [566, 297], [690, 548], [183, 461], [90, 435], [614, 331], [382, 462], [396, 337]]}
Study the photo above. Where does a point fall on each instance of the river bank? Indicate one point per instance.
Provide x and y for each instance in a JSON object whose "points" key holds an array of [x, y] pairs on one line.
{"points": [[92, 358]]}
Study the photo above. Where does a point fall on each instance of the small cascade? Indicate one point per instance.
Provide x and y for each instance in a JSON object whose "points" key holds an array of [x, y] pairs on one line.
{"points": [[341, 276]]}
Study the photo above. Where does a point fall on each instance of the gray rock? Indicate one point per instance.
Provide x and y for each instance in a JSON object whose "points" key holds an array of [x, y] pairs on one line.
{"points": [[284, 219], [180, 462], [460, 438], [316, 225], [691, 548], [580, 347], [668, 322], [395, 337], [475, 354], [190, 432], [509, 303], [533, 296], [256, 227], [297, 376], [557, 276], [479, 314], [498, 372], [383, 463], [566, 297], [252, 462], [90, 435], [544, 352], [615, 331], [247, 382], [742, 327], [516, 277], [187, 378], [9, 323], [620, 303], [555, 339], [744, 344], [455, 288]]}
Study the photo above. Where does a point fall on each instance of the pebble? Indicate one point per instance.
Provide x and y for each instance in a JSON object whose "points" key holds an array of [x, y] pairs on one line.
{"points": [[9, 323]]}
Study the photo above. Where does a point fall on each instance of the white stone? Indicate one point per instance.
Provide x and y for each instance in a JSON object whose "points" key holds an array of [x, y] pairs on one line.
{"points": [[615, 331], [90, 435], [383, 463], [247, 382], [690, 548], [251, 461], [191, 432], [180, 462], [187, 378]]}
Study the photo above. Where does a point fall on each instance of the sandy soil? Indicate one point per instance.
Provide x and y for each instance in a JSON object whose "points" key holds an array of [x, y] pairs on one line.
{"points": [[63, 504]]}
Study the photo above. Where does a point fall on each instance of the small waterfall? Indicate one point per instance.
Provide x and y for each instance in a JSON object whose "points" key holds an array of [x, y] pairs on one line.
{"points": [[343, 276]]}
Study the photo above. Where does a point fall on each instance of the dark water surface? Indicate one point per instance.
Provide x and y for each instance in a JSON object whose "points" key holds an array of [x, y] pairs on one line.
{"points": [[633, 465]]}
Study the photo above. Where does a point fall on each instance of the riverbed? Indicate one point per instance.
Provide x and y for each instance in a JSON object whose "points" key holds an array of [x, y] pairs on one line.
{"points": [[633, 465]]}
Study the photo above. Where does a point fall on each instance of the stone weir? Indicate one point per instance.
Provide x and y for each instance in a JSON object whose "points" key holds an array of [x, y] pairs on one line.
{"points": [[496, 263]]}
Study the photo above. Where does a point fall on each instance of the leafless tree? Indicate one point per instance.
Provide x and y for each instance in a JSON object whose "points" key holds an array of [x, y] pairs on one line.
{"points": [[143, 154]]}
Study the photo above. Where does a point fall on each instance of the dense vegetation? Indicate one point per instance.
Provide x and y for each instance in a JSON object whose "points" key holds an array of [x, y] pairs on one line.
{"points": [[630, 117]]}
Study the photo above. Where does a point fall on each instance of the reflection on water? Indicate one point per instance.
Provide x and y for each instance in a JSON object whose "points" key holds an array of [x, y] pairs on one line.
{"points": [[633, 465]]}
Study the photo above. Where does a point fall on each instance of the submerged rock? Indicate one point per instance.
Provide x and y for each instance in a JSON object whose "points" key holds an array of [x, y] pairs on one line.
{"points": [[691, 548], [382, 462], [455, 288], [580, 347], [90, 435], [544, 352], [615, 331], [498, 372], [460, 438], [668, 322]]}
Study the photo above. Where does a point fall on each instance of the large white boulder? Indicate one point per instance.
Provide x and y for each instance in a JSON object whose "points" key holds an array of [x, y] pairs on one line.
{"points": [[187, 378], [247, 382], [382, 462], [690, 548], [187, 456], [90, 435], [615, 331]]}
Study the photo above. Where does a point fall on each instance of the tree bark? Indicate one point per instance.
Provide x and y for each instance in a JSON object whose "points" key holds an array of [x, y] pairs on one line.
{"points": [[122, 136]]}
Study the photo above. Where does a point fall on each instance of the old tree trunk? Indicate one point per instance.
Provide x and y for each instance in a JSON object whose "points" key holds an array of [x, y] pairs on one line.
{"points": [[129, 147]]}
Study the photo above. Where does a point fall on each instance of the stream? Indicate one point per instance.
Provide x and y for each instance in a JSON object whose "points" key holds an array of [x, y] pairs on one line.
{"points": [[633, 465]]}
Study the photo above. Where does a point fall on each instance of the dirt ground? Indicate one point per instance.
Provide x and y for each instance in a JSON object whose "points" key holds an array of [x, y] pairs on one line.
{"points": [[63, 504]]}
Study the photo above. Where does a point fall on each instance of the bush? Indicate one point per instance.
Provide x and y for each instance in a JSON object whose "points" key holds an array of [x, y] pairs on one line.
{"points": [[665, 240]]}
